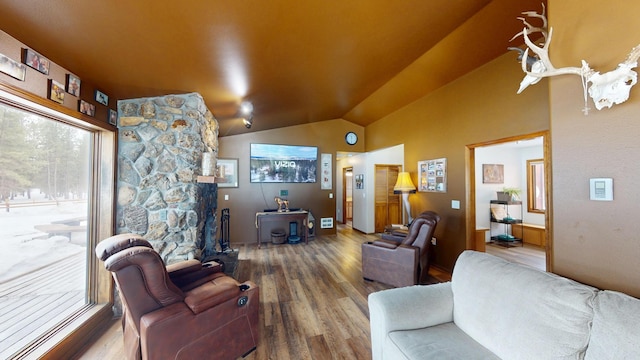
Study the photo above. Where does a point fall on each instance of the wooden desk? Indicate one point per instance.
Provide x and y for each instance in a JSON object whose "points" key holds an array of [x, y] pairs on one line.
{"points": [[274, 216]]}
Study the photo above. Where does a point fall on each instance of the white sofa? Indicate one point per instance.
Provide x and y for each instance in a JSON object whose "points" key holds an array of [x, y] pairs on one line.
{"points": [[494, 309]]}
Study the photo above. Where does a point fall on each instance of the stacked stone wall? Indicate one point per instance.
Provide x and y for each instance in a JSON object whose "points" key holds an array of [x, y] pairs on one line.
{"points": [[160, 146]]}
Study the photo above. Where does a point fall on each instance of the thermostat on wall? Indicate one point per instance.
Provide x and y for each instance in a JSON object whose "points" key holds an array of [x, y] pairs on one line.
{"points": [[601, 189]]}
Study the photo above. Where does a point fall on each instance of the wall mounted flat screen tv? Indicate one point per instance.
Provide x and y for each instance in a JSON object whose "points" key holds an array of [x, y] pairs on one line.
{"points": [[272, 163]]}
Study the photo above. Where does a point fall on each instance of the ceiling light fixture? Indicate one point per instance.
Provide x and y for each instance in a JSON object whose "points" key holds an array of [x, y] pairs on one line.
{"points": [[246, 112], [248, 121], [246, 108]]}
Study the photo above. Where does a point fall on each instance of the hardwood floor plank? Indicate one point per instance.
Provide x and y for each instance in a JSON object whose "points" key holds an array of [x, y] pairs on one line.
{"points": [[335, 340], [268, 289], [276, 340], [361, 348], [319, 348], [283, 289], [295, 332]]}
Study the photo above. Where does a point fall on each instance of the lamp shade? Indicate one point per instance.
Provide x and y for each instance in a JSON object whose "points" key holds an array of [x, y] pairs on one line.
{"points": [[404, 184]]}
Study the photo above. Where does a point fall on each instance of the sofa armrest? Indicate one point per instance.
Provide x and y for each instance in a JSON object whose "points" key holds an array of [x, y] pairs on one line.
{"points": [[407, 308]]}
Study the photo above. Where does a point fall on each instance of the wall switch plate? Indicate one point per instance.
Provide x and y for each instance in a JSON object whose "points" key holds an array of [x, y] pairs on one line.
{"points": [[601, 189], [226, 196], [330, 195], [326, 223], [433, 241], [455, 204]]}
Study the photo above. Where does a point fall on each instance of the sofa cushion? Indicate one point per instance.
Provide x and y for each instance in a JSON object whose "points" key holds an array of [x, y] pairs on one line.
{"points": [[518, 312], [615, 333], [442, 342]]}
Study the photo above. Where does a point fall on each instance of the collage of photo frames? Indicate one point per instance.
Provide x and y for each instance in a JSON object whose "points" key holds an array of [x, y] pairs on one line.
{"points": [[56, 91]]}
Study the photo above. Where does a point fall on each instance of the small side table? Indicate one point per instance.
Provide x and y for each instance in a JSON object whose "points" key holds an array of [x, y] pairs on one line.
{"points": [[274, 216]]}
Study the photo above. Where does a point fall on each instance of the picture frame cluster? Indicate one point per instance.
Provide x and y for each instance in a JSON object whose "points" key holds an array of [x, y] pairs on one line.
{"points": [[432, 175], [56, 90]]}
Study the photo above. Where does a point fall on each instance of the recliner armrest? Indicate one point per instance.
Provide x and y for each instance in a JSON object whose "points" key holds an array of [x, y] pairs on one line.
{"points": [[385, 244], [393, 237], [212, 293], [405, 308], [183, 267], [190, 274]]}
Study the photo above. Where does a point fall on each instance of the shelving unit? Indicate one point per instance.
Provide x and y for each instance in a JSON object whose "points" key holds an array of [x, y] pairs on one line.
{"points": [[504, 216]]}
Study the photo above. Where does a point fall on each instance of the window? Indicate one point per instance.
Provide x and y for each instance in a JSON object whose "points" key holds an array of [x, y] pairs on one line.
{"points": [[536, 201], [53, 206]]}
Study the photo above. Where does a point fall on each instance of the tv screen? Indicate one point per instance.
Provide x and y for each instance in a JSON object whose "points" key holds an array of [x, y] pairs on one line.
{"points": [[283, 163]]}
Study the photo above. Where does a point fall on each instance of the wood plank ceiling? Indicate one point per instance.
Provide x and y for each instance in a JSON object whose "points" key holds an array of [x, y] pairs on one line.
{"points": [[297, 61]]}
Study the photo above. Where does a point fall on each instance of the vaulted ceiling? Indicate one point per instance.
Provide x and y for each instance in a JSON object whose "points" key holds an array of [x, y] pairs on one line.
{"points": [[297, 61]]}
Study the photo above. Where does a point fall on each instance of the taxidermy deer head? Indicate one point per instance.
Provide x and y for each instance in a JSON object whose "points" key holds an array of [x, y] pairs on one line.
{"points": [[605, 89]]}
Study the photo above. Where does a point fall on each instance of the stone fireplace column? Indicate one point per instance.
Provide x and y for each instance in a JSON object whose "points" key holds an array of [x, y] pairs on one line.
{"points": [[160, 145]]}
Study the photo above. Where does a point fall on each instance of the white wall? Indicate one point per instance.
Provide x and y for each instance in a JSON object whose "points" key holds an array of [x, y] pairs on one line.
{"points": [[514, 160], [363, 199]]}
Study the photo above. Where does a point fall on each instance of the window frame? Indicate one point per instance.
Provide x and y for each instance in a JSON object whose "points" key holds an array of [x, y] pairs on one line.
{"points": [[531, 182], [70, 335]]}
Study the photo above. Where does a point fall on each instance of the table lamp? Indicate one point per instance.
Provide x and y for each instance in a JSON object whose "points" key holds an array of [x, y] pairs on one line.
{"points": [[405, 187]]}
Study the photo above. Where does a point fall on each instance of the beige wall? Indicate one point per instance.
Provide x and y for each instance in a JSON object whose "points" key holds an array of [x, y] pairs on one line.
{"points": [[480, 107], [249, 198], [595, 242]]}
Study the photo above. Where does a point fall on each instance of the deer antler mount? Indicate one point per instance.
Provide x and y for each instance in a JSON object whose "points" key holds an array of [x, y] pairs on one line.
{"points": [[606, 89]]}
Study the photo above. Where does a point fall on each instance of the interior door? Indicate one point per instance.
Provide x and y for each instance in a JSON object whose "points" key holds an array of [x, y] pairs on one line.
{"points": [[347, 195], [388, 206]]}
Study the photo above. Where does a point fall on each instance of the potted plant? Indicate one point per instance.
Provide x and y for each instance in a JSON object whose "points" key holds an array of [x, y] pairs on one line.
{"points": [[509, 194]]}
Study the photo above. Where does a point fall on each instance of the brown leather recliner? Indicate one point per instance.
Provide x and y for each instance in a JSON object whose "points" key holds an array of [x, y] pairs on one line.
{"points": [[398, 235], [400, 264], [210, 315]]}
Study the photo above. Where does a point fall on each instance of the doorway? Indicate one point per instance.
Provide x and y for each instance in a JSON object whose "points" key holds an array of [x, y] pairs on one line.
{"points": [[510, 157], [347, 195], [388, 208]]}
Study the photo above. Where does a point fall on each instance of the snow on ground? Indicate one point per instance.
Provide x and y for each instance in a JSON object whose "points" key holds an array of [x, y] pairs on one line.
{"points": [[24, 249]]}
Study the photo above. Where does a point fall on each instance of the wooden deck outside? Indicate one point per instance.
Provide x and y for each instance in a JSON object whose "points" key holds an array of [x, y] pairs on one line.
{"points": [[33, 303]]}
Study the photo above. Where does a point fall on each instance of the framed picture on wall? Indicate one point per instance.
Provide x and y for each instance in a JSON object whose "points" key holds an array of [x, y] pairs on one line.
{"points": [[73, 85], [113, 117], [492, 173], [12, 68], [360, 181], [56, 91], [326, 182], [36, 61], [86, 108], [432, 175], [227, 170], [102, 98]]}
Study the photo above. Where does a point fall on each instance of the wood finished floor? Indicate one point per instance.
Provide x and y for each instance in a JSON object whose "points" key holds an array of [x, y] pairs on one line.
{"points": [[530, 255], [313, 300]]}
